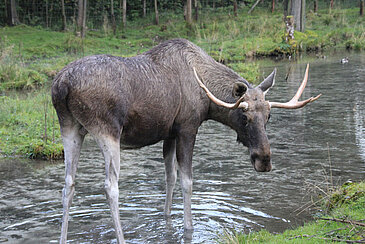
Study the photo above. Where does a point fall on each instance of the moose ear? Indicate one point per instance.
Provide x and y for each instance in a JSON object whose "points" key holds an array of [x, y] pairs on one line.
{"points": [[239, 89], [268, 82]]}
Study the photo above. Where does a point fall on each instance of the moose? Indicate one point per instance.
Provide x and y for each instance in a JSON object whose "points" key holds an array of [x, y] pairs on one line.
{"points": [[164, 94]]}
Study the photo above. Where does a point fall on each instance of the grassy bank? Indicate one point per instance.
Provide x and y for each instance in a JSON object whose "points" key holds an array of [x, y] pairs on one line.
{"points": [[29, 126], [31, 56], [341, 220]]}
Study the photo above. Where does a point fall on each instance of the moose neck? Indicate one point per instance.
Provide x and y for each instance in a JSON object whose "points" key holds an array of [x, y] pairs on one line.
{"points": [[220, 81]]}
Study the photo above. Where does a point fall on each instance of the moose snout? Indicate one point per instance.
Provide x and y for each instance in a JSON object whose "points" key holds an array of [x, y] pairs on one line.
{"points": [[261, 161]]}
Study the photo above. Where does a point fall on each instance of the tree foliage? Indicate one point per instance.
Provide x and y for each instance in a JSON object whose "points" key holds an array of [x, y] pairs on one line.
{"points": [[50, 14]]}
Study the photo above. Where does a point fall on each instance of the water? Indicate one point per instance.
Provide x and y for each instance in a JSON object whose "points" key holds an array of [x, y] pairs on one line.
{"points": [[227, 192]]}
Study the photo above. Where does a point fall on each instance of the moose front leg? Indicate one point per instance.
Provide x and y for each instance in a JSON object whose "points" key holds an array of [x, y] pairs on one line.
{"points": [[184, 154]]}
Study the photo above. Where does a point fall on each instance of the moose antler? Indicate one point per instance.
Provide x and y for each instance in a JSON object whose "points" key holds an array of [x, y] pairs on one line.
{"points": [[294, 103], [238, 104]]}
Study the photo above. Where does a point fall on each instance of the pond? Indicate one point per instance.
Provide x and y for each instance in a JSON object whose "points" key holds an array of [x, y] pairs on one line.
{"points": [[321, 144]]}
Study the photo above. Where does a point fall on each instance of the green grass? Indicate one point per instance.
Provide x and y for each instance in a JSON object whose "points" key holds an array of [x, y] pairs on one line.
{"points": [[29, 126], [345, 204]]}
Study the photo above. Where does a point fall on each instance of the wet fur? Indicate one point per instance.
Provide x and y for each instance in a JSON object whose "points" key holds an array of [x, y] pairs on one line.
{"points": [[150, 96], [138, 101]]}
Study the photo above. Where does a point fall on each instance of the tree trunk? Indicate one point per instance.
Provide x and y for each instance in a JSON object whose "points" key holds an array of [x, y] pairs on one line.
{"points": [[74, 14], [196, 6], [298, 11], [47, 17], [285, 8], [80, 11], [331, 5], [302, 16], [124, 13], [289, 23], [144, 8], [157, 21], [63, 15], [361, 7], [235, 7], [6, 11], [114, 26], [51, 14], [273, 6], [188, 12], [315, 6], [13, 13], [83, 28]]}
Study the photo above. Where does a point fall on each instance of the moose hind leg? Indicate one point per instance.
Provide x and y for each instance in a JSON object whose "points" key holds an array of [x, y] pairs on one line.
{"points": [[110, 147], [169, 154], [72, 142]]}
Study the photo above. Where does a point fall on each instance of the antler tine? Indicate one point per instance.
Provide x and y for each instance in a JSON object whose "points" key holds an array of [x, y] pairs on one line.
{"points": [[302, 86], [238, 104], [294, 103]]}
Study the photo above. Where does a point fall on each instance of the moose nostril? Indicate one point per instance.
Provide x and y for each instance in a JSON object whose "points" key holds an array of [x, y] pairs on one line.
{"points": [[266, 159], [254, 156], [261, 162]]}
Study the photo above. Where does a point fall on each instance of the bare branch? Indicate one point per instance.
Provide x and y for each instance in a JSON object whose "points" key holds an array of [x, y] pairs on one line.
{"points": [[353, 222]]}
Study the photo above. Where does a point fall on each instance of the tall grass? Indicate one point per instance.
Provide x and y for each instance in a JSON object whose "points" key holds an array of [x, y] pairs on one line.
{"points": [[13, 72], [28, 126]]}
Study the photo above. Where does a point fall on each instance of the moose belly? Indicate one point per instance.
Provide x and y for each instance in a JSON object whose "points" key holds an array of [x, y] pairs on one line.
{"points": [[140, 131], [137, 137]]}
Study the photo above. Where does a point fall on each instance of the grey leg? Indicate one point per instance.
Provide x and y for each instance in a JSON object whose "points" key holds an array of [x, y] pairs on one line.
{"points": [[184, 154], [110, 147], [72, 141], [169, 154]]}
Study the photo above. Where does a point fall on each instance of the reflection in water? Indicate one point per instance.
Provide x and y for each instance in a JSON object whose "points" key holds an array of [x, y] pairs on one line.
{"points": [[360, 130], [228, 193], [358, 109]]}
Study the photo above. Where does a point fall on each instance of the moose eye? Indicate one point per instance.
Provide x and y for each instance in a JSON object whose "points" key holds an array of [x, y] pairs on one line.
{"points": [[244, 119]]}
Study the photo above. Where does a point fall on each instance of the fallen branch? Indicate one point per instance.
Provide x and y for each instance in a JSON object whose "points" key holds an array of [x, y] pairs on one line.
{"points": [[257, 2], [353, 222], [328, 239], [341, 240], [332, 231]]}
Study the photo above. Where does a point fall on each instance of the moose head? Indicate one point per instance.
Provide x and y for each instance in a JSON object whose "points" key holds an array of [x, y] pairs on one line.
{"points": [[251, 112]]}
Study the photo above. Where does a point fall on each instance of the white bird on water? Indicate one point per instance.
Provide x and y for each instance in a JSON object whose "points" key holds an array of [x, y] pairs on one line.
{"points": [[344, 60]]}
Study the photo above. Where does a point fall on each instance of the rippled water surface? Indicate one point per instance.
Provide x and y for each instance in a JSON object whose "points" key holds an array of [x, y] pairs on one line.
{"points": [[227, 192]]}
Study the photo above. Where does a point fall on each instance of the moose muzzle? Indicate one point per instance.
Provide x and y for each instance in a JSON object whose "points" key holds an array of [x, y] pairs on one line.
{"points": [[261, 159]]}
